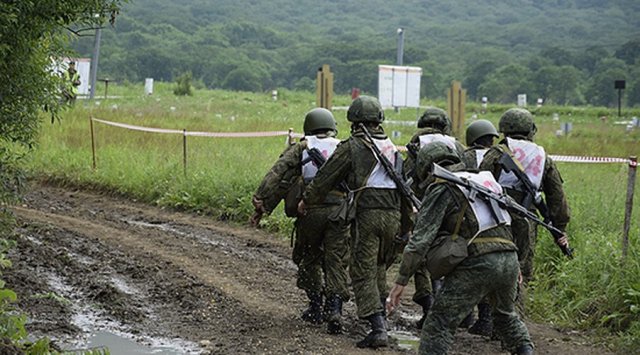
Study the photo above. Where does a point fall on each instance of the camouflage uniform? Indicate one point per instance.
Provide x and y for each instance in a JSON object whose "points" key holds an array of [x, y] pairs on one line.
{"points": [[376, 211], [423, 283], [319, 245], [524, 231], [490, 270]]}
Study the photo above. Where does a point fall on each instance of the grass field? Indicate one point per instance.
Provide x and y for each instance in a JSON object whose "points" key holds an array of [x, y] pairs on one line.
{"points": [[597, 290]]}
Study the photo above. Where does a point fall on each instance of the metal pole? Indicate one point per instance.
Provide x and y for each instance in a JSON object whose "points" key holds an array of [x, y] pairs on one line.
{"points": [[631, 181], [619, 103], [93, 144], [184, 151], [94, 63], [400, 46]]}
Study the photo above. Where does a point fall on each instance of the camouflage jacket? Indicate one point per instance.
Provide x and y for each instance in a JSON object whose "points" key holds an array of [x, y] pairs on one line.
{"points": [[443, 204], [559, 211], [286, 172]]}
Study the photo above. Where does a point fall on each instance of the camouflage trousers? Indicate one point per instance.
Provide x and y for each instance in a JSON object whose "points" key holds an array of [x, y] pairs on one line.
{"points": [[321, 251], [494, 275], [372, 235]]}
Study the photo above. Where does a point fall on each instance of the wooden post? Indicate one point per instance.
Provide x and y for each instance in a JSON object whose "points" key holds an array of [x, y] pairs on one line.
{"points": [[184, 152], [290, 137], [93, 144], [324, 87], [456, 100], [631, 182]]}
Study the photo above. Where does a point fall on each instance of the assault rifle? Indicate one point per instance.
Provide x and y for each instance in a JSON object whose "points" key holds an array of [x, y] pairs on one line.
{"points": [[318, 159], [532, 195], [397, 178], [504, 200]]}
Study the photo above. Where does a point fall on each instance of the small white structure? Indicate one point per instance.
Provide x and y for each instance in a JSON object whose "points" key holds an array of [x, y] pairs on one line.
{"points": [[522, 100], [148, 86], [399, 86]]}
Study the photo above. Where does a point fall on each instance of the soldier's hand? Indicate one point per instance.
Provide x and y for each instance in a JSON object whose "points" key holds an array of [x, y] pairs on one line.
{"points": [[302, 208], [258, 204], [393, 300], [255, 218], [563, 241]]}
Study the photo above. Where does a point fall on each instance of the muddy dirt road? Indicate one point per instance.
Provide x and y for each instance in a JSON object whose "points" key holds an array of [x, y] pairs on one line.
{"points": [[89, 262]]}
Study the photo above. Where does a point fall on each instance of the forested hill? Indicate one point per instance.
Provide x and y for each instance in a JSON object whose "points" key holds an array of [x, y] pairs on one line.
{"points": [[495, 47]]}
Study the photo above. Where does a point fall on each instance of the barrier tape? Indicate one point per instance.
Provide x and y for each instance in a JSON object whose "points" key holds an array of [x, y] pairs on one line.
{"points": [[200, 134], [572, 159], [401, 148], [580, 159]]}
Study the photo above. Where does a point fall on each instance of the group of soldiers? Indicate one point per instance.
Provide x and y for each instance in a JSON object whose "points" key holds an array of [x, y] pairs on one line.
{"points": [[353, 220]]}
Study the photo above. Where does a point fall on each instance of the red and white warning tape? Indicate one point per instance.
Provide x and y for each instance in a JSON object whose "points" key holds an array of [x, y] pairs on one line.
{"points": [[580, 159], [200, 134]]}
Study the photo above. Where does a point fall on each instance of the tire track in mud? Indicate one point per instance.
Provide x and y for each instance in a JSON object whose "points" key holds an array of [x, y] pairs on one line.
{"points": [[203, 265]]}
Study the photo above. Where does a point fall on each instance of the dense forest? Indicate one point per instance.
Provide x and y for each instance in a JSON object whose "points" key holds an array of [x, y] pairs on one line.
{"points": [[564, 51]]}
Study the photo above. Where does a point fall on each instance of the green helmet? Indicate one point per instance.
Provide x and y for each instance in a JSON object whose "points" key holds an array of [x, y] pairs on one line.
{"points": [[436, 118], [517, 121], [480, 128], [365, 109], [434, 152], [319, 120]]}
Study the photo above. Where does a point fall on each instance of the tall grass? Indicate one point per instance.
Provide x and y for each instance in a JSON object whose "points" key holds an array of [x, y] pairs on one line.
{"points": [[596, 290]]}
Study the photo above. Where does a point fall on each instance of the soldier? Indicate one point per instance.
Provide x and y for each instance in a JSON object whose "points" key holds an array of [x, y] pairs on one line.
{"points": [[519, 129], [315, 233], [479, 138], [491, 269], [72, 81], [376, 209], [433, 126]]}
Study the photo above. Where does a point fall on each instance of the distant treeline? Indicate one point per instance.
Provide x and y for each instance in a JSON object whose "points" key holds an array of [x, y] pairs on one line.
{"points": [[565, 52]]}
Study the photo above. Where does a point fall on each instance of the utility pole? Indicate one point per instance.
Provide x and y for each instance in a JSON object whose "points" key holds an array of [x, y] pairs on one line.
{"points": [[400, 46], [94, 63]]}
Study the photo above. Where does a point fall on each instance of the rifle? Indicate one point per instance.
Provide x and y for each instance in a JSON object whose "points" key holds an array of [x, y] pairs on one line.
{"points": [[509, 165], [393, 174], [318, 159], [504, 200]]}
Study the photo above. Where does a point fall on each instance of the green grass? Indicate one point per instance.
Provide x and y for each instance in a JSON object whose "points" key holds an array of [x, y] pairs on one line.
{"points": [[597, 290]]}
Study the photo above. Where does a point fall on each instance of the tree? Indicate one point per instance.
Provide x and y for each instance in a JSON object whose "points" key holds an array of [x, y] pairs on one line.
{"points": [[629, 52], [504, 84], [33, 36], [600, 90], [557, 84]]}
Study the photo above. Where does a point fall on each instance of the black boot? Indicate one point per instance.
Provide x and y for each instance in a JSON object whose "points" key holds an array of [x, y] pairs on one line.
{"points": [[426, 302], [524, 350], [333, 315], [484, 324], [467, 321], [313, 314], [377, 338]]}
